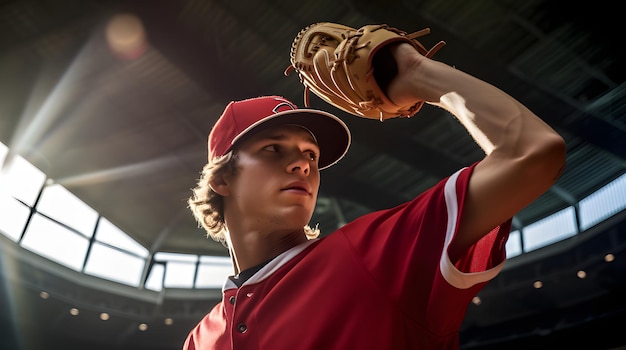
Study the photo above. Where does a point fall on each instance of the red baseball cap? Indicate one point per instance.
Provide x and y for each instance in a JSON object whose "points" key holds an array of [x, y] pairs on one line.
{"points": [[247, 117]]}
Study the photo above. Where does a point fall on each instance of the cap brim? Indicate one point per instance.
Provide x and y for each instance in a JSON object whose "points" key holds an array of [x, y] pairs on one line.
{"points": [[332, 135]]}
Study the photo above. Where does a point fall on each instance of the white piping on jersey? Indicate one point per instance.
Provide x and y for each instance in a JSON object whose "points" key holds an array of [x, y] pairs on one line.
{"points": [[454, 276], [272, 266]]}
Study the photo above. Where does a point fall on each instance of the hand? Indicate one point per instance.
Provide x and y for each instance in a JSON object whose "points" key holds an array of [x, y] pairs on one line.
{"points": [[408, 86]]}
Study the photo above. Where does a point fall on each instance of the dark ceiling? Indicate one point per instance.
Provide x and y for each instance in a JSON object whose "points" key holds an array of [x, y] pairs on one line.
{"points": [[128, 136]]}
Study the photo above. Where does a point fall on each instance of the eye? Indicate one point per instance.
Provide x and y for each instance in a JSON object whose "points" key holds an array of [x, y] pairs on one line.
{"points": [[312, 155], [271, 148]]}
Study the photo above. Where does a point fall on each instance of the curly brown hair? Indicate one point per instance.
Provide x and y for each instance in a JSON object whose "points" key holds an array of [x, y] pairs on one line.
{"points": [[207, 206]]}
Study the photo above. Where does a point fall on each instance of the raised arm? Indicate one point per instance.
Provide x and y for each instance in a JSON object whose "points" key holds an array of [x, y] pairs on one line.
{"points": [[524, 156]]}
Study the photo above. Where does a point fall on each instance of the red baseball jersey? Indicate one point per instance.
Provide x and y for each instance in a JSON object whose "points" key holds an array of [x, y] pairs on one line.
{"points": [[383, 281]]}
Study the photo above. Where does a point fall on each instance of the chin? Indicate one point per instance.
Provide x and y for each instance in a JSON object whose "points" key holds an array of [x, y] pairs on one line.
{"points": [[291, 219]]}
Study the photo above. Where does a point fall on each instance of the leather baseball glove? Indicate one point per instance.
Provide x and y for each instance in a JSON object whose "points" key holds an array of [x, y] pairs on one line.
{"points": [[336, 63]]}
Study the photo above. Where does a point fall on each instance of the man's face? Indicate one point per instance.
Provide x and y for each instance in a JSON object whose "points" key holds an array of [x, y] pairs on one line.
{"points": [[277, 180]]}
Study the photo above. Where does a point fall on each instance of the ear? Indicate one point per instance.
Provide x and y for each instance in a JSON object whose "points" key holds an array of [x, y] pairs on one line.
{"points": [[219, 185]]}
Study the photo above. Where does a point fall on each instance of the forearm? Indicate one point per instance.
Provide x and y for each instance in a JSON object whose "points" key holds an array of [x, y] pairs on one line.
{"points": [[493, 118]]}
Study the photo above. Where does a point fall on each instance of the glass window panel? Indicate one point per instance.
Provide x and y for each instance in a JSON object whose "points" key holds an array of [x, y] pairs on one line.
{"points": [[603, 203], [212, 259], [161, 256], [13, 216], [553, 228], [22, 180], [514, 245], [111, 234], [55, 242], [114, 265], [60, 204], [155, 278], [179, 274], [213, 271], [180, 269]]}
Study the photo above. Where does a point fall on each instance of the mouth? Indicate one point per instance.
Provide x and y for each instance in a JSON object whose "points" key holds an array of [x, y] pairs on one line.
{"points": [[298, 186]]}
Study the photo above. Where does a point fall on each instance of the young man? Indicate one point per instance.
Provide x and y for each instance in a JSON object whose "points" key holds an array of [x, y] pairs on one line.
{"points": [[400, 278]]}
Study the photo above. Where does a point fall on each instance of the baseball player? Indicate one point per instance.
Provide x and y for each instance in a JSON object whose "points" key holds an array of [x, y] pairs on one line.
{"points": [[399, 278]]}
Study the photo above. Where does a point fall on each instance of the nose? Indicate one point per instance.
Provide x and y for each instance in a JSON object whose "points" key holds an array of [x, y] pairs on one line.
{"points": [[300, 163]]}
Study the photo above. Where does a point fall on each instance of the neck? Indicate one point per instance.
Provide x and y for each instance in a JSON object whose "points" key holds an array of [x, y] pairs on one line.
{"points": [[251, 248]]}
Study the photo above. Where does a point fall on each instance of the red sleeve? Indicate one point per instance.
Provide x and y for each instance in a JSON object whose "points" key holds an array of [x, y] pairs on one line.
{"points": [[489, 251], [403, 247]]}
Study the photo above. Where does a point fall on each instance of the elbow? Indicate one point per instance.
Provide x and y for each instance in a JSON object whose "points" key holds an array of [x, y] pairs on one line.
{"points": [[549, 157], [556, 151]]}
